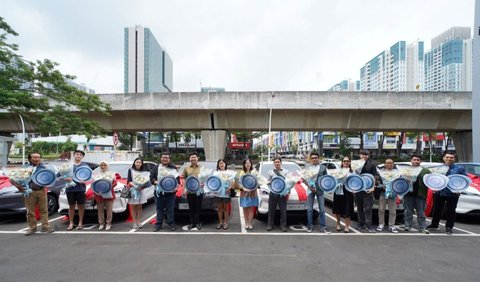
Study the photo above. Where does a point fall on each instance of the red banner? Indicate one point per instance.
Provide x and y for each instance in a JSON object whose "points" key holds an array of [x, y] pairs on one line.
{"points": [[238, 145]]}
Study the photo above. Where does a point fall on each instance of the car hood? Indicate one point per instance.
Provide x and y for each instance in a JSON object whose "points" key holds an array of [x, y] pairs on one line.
{"points": [[6, 187], [299, 192]]}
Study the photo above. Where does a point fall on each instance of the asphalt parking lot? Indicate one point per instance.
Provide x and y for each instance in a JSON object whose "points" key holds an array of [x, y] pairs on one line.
{"points": [[126, 254]]}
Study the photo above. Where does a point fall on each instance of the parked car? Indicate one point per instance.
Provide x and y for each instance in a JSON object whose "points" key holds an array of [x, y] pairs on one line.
{"points": [[120, 204], [181, 204], [11, 200], [469, 200], [297, 201]]}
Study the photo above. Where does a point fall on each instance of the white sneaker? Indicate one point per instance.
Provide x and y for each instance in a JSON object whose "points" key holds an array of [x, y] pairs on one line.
{"points": [[380, 228], [100, 227], [135, 226], [108, 227]]}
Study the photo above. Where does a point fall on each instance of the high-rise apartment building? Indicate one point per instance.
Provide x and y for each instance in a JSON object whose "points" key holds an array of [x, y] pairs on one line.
{"points": [[448, 65], [147, 66], [346, 85], [399, 68]]}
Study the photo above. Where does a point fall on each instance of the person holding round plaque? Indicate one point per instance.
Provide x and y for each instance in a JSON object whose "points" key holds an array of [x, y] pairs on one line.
{"points": [[104, 194], [387, 197], [446, 196], [136, 202], [316, 191], [248, 192], [416, 200], [274, 199], [223, 198], [166, 176], [194, 199], [343, 202], [364, 199], [76, 194]]}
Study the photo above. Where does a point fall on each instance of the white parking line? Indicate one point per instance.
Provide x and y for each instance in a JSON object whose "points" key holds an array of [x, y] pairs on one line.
{"points": [[242, 218], [144, 222], [456, 228], [39, 224]]}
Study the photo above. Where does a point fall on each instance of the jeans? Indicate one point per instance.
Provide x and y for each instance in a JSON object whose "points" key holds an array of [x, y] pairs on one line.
{"points": [[194, 208], [392, 212], [321, 207], [165, 202], [364, 204], [417, 203], [273, 200], [451, 206]]}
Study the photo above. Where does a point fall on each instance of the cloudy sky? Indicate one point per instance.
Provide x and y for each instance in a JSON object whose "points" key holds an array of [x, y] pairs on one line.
{"points": [[239, 45]]}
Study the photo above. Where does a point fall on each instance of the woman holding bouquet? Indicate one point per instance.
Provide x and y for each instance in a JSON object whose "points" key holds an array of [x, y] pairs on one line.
{"points": [[105, 203], [223, 200], [248, 199], [343, 204], [136, 203]]}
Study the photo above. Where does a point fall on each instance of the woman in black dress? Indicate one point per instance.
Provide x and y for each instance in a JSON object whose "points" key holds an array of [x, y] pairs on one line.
{"points": [[343, 204]]}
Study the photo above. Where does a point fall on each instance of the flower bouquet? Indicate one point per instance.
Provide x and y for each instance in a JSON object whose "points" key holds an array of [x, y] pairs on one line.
{"points": [[227, 177], [66, 171], [290, 182], [387, 177], [139, 179], [411, 174], [165, 171], [22, 176], [340, 174], [262, 180], [357, 166], [442, 169], [310, 174]]}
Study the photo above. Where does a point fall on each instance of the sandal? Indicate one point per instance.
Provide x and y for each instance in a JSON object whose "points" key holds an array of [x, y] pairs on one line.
{"points": [[346, 230], [80, 227], [339, 229], [219, 226], [225, 226], [70, 227]]}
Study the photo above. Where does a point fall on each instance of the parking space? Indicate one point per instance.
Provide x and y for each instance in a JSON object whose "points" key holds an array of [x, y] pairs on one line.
{"points": [[464, 226]]}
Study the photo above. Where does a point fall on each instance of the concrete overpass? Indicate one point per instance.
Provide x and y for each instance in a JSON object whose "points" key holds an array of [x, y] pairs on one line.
{"points": [[291, 111]]}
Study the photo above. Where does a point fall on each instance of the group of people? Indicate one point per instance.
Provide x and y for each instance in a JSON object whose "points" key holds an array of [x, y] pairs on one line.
{"points": [[343, 202]]}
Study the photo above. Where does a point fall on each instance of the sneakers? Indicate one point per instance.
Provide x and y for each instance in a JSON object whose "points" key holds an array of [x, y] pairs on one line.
{"points": [[108, 227], [284, 229], [135, 226], [199, 226], [392, 229], [190, 226], [310, 229], [406, 228], [48, 230], [449, 231], [431, 227], [173, 228], [30, 232], [425, 231], [380, 228], [101, 227], [157, 228], [324, 230], [371, 230], [269, 228], [360, 227]]}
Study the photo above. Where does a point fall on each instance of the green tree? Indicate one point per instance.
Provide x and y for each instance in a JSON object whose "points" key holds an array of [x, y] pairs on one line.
{"points": [[68, 146], [40, 93]]}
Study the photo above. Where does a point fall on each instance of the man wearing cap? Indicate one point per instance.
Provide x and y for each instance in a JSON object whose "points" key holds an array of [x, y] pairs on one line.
{"points": [[194, 200], [415, 200], [447, 196], [164, 200], [37, 197], [364, 199], [76, 194]]}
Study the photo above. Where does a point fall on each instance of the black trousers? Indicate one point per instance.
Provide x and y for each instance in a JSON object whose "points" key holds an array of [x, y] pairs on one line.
{"points": [[438, 202], [194, 208], [273, 200]]}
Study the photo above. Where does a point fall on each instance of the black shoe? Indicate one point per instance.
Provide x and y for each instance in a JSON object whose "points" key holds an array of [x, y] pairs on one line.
{"points": [[360, 227], [190, 226], [449, 231], [284, 229], [371, 230], [432, 227], [269, 228], [157, 228], [199, 226], [173, 228]]}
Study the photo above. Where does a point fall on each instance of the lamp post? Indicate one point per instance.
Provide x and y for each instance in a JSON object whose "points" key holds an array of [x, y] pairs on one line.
{"points": [[23, 137]]}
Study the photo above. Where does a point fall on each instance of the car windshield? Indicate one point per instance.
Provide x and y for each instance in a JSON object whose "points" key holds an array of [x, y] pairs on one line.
{"points": [[472, 168], [121, 169], [290, 167]]}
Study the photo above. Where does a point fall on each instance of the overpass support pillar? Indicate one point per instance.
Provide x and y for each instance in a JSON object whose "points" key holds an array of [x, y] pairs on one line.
{"points": [[463, 145], [214, 142]]}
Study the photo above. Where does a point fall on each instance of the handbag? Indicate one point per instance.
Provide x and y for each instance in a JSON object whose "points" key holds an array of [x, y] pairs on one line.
{"points": [[233, 193], [125, 193]]}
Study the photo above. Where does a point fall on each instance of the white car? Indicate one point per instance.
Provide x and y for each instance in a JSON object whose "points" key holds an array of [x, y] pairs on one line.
{"points": [[296, 204], [120, 204]]}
